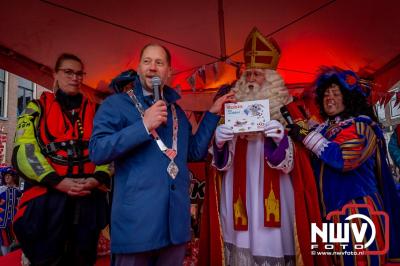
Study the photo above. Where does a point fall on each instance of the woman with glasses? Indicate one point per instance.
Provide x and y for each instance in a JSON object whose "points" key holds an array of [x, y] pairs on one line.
{"points": [[64, 207]]}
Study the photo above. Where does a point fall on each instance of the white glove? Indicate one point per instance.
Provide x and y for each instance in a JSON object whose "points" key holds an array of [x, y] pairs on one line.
{"points": [[223, 133], [274, 129]]}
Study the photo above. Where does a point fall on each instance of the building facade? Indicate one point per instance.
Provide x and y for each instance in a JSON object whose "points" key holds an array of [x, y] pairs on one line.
{"points": [[15, 93]]}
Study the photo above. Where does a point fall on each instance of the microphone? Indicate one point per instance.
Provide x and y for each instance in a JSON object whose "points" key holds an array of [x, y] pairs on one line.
{"points": [[156, 82], [285, 113]]}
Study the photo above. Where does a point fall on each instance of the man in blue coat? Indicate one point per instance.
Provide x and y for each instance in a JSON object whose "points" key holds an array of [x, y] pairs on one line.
{"points": [[150, 144]]}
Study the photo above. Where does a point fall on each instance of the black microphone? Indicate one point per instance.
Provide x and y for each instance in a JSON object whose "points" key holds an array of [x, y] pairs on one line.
{"points": [[285, 113], [156, 82]]}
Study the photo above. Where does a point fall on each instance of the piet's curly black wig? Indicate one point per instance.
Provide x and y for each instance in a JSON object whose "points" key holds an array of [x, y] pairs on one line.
{"points": [[355, 95]]}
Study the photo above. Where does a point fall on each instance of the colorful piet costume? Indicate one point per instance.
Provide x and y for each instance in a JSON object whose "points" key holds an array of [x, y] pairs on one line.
{"points": [[350, 164], [267, 199], [9, 198]]}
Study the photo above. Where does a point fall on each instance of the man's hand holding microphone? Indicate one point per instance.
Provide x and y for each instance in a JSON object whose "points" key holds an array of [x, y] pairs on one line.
{"points": [[156, 114]]}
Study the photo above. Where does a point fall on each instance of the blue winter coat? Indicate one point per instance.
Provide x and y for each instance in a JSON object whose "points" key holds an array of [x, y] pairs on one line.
{"points": [[150, 210]]}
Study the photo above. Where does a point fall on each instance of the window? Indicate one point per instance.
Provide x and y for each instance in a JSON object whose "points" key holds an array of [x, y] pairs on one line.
{"points": [[25, 94], [2, 91]]}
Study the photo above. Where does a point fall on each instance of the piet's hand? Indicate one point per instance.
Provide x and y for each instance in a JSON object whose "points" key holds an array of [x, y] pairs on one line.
{"points": [[296, 132]]}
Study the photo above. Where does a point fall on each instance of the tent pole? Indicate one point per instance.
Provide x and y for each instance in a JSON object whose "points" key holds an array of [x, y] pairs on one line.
{"points": [[221, 30]]}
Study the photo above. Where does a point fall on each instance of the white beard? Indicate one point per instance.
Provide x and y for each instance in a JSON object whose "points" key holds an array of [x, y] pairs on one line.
{"points": [[273, 89]]}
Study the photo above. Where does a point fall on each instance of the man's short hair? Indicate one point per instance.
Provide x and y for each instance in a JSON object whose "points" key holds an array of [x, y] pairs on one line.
{"points": [[168, 54]]}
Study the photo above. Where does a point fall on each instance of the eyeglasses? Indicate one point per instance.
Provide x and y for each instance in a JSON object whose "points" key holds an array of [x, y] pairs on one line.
{"points": [[69, 73]]}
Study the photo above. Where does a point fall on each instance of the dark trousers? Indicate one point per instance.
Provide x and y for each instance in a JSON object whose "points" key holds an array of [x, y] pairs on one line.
{"points": [[80, 249], [59, 230], [169, 256]]}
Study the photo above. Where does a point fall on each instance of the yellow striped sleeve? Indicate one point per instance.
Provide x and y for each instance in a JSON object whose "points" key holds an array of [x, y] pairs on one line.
{"points": [[27, 156]]}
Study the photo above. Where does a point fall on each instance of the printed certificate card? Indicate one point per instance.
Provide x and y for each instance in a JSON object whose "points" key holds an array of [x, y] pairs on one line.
{"points": [[247, 116]]}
